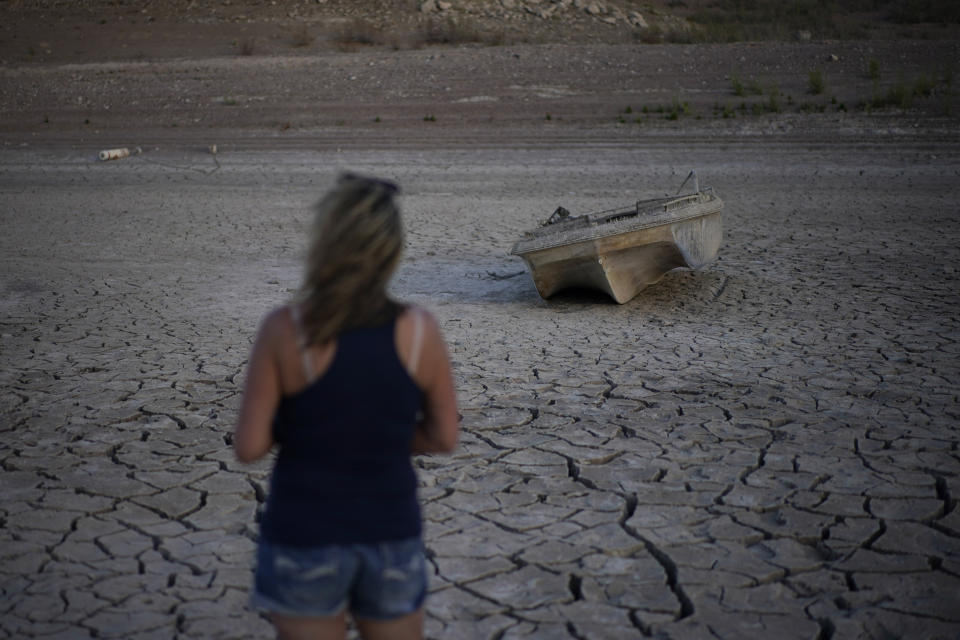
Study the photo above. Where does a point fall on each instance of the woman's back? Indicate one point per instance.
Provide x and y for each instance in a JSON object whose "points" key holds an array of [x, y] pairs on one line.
{"points": [[343, 472]]}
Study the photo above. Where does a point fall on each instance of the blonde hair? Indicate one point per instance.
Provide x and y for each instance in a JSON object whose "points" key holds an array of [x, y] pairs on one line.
{"points": [[356, 242]]}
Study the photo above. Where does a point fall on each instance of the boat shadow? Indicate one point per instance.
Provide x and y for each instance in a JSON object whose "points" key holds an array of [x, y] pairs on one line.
{"points": [[509, 283], [680, 290]]}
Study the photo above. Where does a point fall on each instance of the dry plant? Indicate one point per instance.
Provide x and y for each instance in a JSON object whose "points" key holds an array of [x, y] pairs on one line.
{"points": [[445, 31], [451, 31], [815, 82], [357, 31]]}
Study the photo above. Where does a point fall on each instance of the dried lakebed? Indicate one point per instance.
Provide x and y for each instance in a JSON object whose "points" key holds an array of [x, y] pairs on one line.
{"points": [[764, 447]]}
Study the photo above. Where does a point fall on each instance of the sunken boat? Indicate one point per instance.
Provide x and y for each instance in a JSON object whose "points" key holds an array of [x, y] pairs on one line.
{"points": [[622, 251]]}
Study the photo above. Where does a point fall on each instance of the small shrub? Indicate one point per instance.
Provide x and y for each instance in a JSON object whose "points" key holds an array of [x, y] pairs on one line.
{"points": [[809, 107], [628, 109], [736, 85], [548, 117], [923, 86], [356, 32], [873, 70], [677, 109], [430, 118], [773, 100], [650, 35], [452, 31], [741, 89], [815, 82], [682, 36], [899, 95]]}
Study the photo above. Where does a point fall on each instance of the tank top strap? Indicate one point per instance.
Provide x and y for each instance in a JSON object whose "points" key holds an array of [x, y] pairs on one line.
{"points": [[305, 360], [415, 347]]}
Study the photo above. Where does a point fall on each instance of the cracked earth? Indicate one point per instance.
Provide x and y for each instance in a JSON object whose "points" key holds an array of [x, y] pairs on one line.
{"points": [[767, 447]]}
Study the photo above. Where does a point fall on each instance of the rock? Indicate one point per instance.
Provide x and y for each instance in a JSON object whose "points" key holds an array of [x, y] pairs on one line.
{"points": [[444, 6], [428, 6], [637, 20], [594, 9], [547, 13], [803, 35], [509, 4]]}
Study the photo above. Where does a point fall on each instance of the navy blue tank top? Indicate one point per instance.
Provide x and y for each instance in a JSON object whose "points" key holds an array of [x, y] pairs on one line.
{"points": [[344, 472]]}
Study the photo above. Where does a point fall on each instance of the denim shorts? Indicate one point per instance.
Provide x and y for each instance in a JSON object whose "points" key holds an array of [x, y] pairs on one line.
{"points": [[374, 581]]}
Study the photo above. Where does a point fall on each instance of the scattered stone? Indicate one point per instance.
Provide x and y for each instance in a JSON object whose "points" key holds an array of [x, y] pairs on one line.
{"points": [[637, 20]]}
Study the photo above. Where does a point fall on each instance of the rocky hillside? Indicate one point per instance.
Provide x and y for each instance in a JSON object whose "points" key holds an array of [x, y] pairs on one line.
{"points": [[62, 30]]}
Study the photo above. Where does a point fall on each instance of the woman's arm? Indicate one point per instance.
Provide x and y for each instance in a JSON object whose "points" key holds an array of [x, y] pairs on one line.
{"points": [[439, 429], [253, 437]]}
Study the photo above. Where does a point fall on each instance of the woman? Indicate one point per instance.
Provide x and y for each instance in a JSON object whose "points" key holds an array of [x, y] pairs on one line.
{"points": [[348, 383]]}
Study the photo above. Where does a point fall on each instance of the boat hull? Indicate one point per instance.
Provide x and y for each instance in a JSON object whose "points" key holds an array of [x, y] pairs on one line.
{"points": [[622, 265]]}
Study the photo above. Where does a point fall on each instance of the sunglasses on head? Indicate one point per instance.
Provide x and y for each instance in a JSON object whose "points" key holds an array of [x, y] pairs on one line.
{"points": [[390, 187]]}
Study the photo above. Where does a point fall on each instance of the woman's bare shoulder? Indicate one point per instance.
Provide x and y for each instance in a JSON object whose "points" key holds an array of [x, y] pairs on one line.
{"points": [[276, 324], [414, 314], [411, 310]]}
